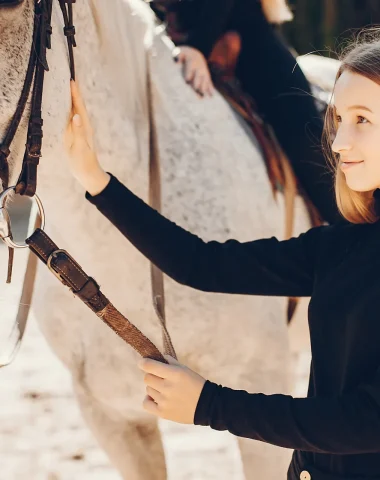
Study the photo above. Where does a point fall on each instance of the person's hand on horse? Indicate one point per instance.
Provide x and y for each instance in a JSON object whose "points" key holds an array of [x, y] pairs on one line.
{"points": [[172, 390], [195, 69], [79, 140]]}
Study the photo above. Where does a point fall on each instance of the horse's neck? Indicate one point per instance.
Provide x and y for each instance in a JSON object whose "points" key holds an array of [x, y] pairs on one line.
{"points": [[106, 67]]}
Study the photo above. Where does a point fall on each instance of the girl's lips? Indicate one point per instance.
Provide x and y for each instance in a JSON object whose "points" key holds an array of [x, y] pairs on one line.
{"points": [[347, 165]]}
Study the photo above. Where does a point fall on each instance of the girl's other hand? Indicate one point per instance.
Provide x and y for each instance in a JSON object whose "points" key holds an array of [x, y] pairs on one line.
{"points": [[172, 390], [195, 70]]}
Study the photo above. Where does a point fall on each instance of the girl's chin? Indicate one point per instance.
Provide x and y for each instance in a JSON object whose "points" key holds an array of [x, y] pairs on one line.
{"points": [[360, 187]]}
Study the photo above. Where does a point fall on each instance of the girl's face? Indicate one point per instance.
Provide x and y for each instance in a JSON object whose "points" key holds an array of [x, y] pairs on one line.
{"points": [[357, 112]]}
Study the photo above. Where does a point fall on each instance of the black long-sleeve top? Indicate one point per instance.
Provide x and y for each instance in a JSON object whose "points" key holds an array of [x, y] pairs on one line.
{"points": [[337, 427], [206, 20]]}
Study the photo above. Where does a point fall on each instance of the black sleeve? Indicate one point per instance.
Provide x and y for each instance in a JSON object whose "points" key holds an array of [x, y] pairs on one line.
{"points": [[261, 267], [212, 19], [345, 424]]}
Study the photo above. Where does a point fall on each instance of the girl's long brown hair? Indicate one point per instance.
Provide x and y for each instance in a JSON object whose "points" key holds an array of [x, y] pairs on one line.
{"points": [[362, 56]]}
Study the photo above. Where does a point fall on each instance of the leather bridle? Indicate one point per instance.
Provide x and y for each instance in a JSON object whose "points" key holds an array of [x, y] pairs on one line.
{"points": [[37, 66]]}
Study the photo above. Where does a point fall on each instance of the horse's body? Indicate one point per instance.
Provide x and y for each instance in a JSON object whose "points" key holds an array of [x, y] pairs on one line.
{"points": [[214, 184]]}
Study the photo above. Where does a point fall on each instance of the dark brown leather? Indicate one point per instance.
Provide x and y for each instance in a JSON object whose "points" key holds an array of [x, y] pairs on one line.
{"points": [[67, 270], [27, 182], [42, 245], [69, 31], [70, 274]]}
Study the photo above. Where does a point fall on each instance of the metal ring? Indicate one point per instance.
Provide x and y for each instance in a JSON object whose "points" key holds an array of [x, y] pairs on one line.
{"points": [[5, 221]]}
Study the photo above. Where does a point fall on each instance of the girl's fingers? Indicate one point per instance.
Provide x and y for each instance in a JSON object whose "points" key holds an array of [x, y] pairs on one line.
{"points": [[209, 88], [189, 72], [158, 369], [153, 381], [80, 107], [205, 86], [150, 406], [78, 104], [180, 57], [78, 132], [153, 394], [197, 82], [77, 122]]}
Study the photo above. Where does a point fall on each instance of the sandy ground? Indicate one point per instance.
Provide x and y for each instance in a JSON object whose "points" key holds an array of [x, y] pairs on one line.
{"points": [[43, 437]]}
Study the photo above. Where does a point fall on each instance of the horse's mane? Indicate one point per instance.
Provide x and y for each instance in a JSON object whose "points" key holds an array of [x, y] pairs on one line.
{"points": [[126, 29]]}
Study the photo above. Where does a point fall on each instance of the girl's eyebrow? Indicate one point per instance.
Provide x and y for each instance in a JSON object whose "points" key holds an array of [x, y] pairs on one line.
{"points": [[354, 107], [360, 107]]}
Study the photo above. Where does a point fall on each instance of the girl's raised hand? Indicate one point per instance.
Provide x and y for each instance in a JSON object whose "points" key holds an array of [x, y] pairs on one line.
{"points": [[79, 141]]}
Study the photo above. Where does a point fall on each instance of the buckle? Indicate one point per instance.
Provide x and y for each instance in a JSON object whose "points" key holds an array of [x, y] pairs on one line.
{"points": [[56, 273]]}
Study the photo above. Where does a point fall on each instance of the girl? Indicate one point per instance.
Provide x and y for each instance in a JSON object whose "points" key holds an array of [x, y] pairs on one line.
{"points": [[335, 431], [267, 71]]}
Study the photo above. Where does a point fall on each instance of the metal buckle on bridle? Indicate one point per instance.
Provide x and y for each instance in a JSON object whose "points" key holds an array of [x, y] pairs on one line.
{"points": [[5, 220], [53, 269]]}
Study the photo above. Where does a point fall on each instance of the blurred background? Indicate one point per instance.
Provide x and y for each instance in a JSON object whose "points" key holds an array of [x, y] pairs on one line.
{"points": [[323, 24]]}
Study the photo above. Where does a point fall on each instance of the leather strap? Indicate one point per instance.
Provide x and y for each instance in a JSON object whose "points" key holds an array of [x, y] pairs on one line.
{"points": [[27, 182], [157, 277], [38, 65], [69, 31], [11, 253], [70, 274]]}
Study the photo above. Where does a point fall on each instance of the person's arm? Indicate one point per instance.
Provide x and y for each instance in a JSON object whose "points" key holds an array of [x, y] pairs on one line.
{"points": [[344, 424], [261, 267]]}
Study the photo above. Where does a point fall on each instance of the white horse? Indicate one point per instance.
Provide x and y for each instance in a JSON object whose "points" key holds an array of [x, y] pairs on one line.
{"points": [[214, 184]]}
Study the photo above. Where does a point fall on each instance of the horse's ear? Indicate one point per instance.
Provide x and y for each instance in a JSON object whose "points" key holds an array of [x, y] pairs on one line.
{"points": [[276, 11], [10, 3]]}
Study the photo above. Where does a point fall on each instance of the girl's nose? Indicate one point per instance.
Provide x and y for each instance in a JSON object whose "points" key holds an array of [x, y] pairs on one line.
{"points": [[342, 142]]}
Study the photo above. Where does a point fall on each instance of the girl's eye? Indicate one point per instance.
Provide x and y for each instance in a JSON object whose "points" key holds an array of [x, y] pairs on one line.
{"points": [[362, 119], [338, 118]]}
